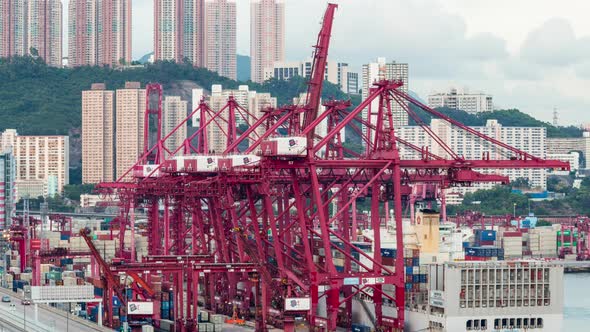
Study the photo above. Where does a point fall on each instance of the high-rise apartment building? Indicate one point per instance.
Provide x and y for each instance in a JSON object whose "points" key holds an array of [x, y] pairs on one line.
{"points": [[175, 111], [219, 41], [42, 163], [178, 30], [130, 111], [267, 35], [379, 70], [13, 28], [99, 32], [462, 100], [352, 83], [97, 134], [44, 31], [202, 32], [7, 191]]}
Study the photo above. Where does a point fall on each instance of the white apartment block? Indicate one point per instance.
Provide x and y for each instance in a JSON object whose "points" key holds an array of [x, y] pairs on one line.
{"points": [[528, 139], [352, 83], [175, 111], [573, 158], [462, 100], [380, 70], [130, 112], [267, 35], [42, 163], [98, 134], [565, 145], [336, 72], [251, 101]]}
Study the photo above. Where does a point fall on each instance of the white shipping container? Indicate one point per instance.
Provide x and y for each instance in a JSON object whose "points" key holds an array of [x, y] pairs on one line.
{"points": [[217, 319], [290, 146], [147, 328]]}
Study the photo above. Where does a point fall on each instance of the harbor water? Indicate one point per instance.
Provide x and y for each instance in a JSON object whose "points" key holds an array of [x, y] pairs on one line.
{"points": [[576, 311]]}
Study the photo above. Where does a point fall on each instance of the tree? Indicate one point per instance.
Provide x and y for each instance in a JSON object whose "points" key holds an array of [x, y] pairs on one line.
{"points": [[541, 223]]}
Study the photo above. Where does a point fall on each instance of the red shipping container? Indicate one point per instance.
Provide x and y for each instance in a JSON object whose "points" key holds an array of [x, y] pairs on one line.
{"points": [[512, 234], [476, 258], [389, 261], [486, 243], [35, 244]]}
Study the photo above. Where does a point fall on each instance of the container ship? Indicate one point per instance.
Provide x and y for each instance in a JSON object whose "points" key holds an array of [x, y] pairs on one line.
{"points": [[464, 279]]}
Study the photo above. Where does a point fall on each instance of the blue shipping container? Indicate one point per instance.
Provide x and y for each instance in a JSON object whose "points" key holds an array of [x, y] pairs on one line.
{"points": [[416, 278], [485, 235], [339, 268], [98, 291], [360, 328], [64, 237], [408, 286], [409, 270], [416, 261], [387, 252]]}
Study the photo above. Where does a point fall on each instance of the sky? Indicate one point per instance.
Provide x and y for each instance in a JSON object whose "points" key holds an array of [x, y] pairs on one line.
{"points": [[533, 55]]}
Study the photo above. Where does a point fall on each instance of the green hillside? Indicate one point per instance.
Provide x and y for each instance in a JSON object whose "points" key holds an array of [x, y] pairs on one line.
{"points": [[42, 100], [508, 118]]}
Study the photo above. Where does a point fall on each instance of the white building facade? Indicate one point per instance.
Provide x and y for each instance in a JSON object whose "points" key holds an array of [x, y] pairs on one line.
{"points": [[336, 72], [380, 70], [528, 139], [472, 103]]}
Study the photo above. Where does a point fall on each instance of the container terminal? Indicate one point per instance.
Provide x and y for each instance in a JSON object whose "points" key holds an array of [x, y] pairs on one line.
{"points": [[267, 235]]}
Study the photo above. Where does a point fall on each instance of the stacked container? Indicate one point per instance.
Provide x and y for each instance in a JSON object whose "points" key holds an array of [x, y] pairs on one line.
{"points": [[484, 253], [543, 242], [484, 237], [512, 244]]}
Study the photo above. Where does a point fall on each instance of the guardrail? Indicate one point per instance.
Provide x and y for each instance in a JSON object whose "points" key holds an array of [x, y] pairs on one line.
{"points": [[17, 321]]}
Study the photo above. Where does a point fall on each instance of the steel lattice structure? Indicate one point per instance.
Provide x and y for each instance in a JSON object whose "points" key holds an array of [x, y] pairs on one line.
{"points": [[254, 228]]}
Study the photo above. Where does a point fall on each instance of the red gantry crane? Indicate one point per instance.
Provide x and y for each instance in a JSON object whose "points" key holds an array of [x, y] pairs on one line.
{"points": [[251, 226]]}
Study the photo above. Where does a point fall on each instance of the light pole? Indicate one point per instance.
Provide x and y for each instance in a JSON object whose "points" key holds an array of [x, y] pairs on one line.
{"points": [[514, 211]]}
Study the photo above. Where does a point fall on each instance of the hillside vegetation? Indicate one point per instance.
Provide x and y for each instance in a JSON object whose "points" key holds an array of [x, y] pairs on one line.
{"points": [[507, 118], [42, 100]]}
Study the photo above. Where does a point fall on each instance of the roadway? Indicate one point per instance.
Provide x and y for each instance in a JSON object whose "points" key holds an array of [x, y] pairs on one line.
{"points": [[52, 318]]}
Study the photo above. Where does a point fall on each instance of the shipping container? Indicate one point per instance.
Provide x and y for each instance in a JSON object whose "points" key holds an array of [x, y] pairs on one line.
{"points": [[360, 328], [388, 252], [284, 146], [485, 235], [144, 171]]}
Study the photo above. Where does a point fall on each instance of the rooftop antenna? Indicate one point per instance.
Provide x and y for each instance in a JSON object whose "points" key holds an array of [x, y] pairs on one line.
{"points": [[555, 122]]}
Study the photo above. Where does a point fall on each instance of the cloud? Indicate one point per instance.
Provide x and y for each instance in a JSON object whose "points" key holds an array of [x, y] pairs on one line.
{"points": [[555, 44]]}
